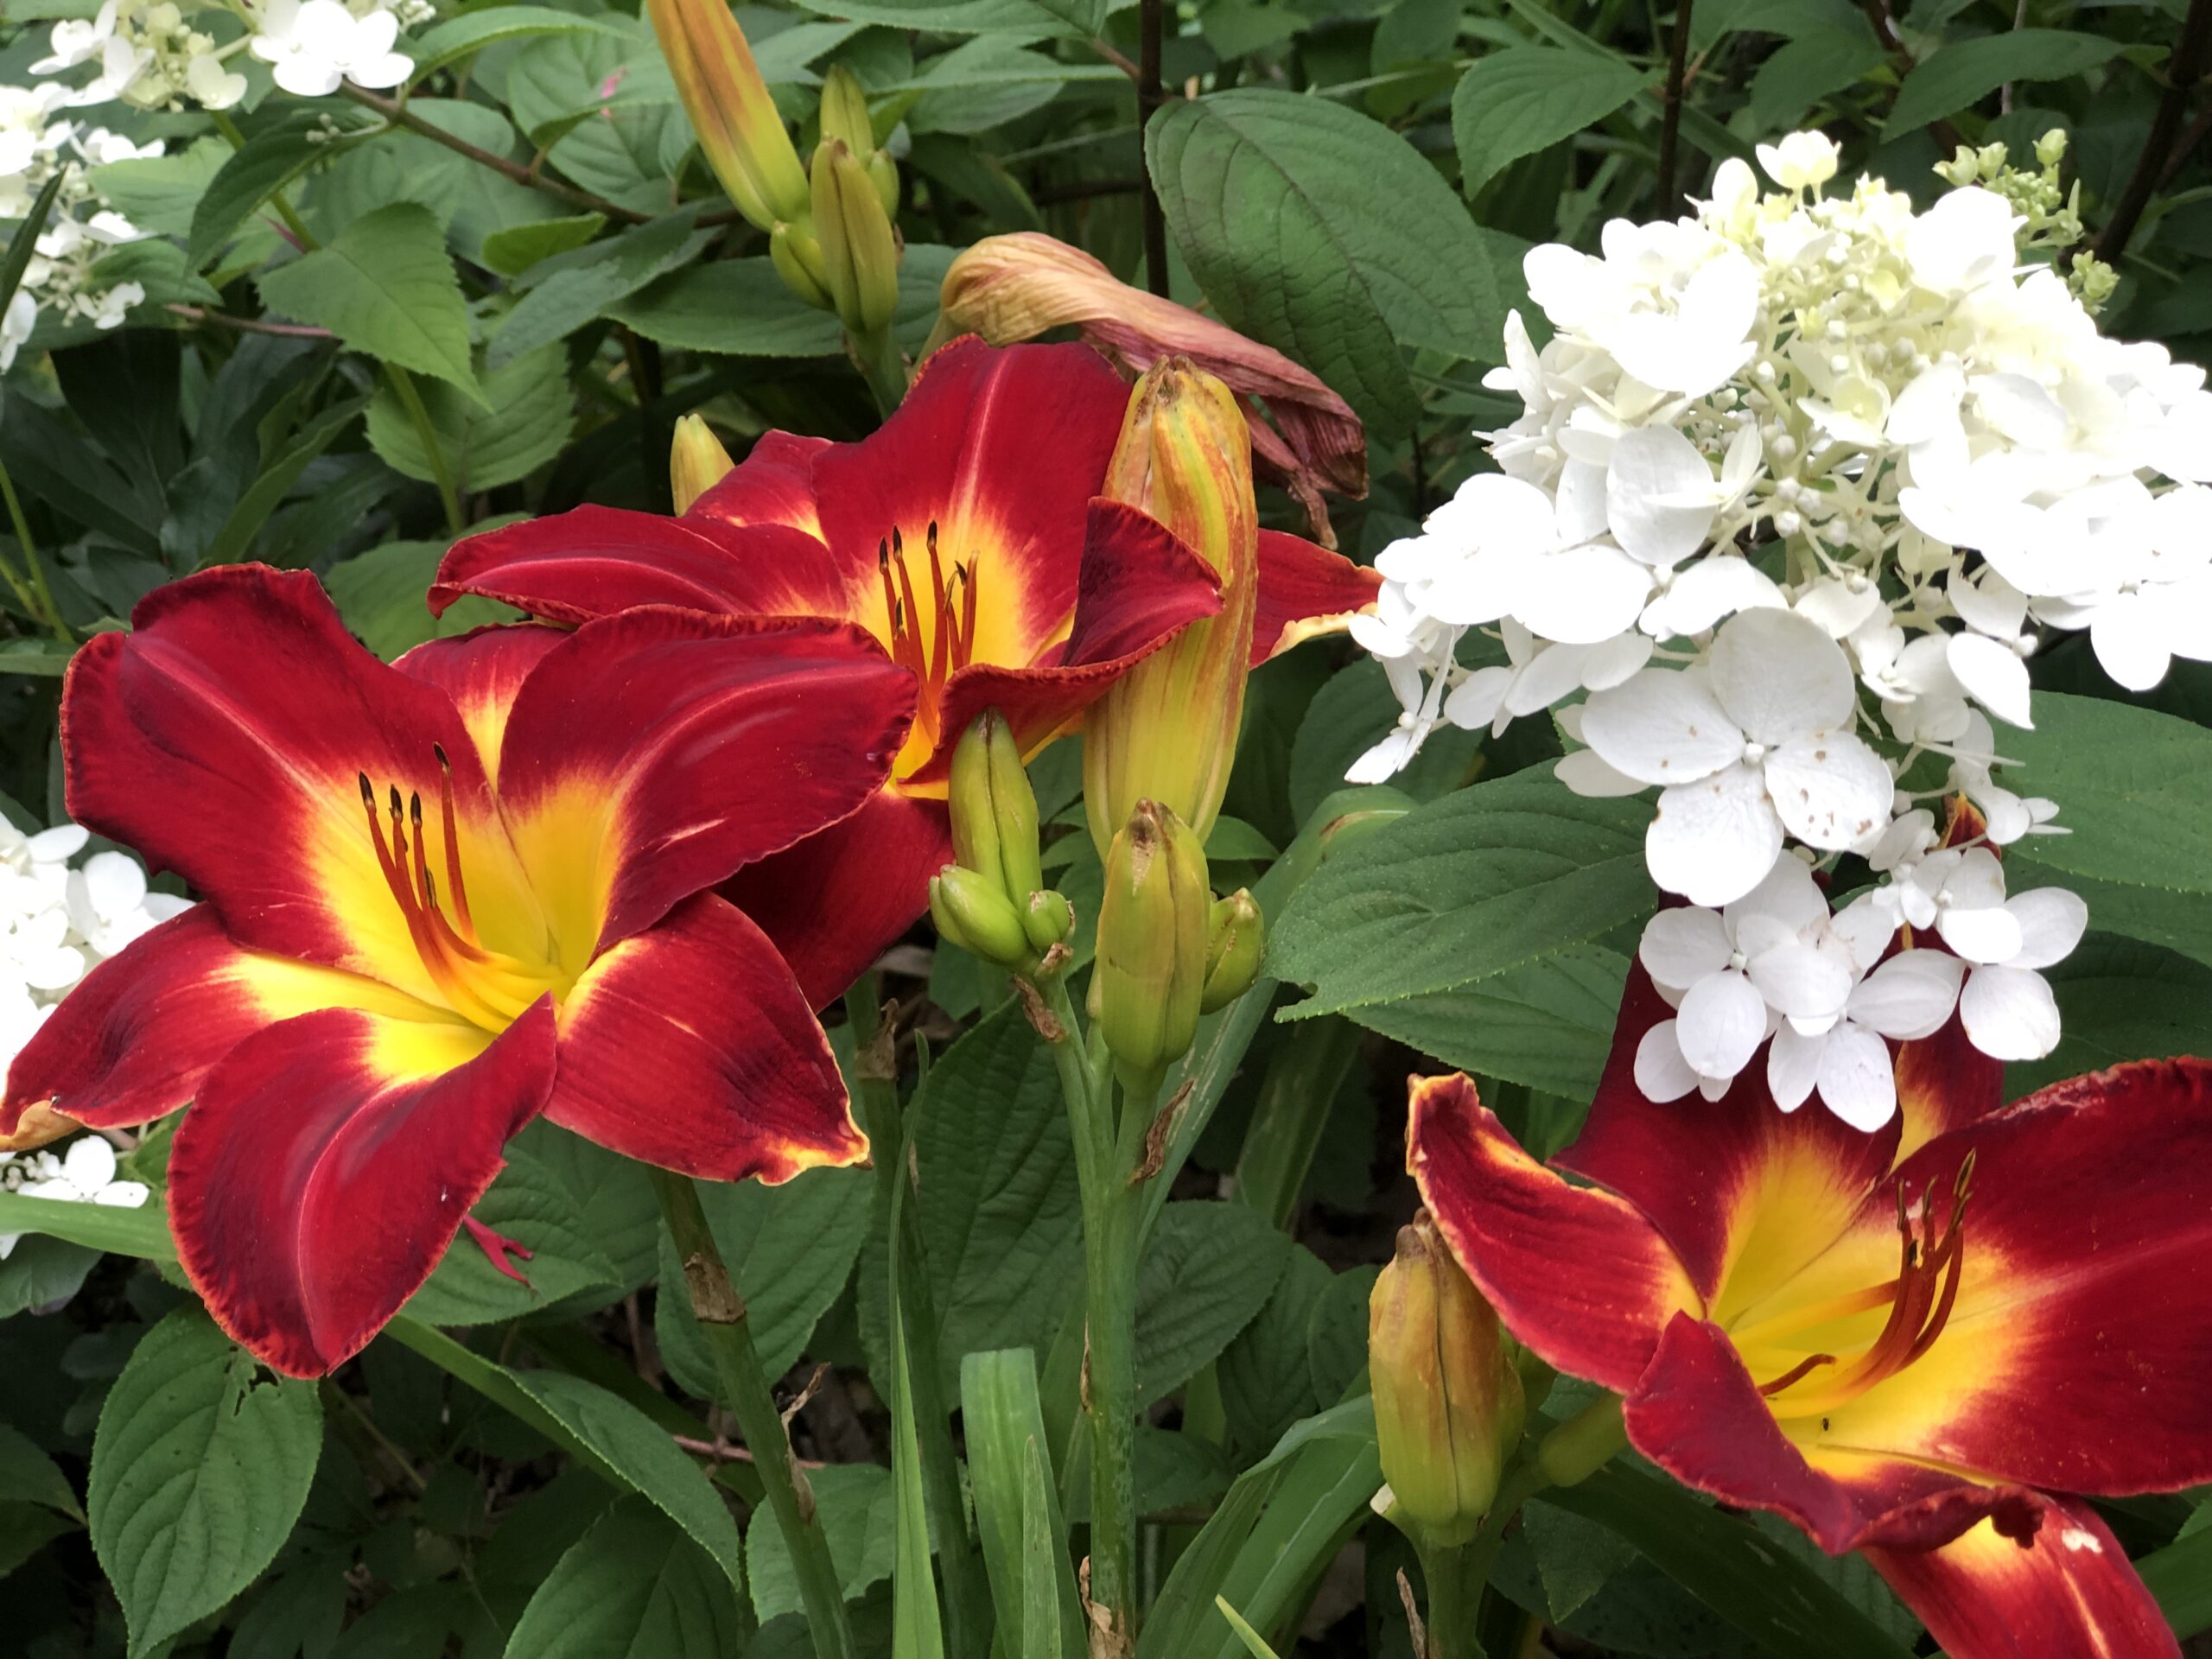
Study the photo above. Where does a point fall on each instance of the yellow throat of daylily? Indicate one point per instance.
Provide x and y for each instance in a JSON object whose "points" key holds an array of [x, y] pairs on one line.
{"points": [[487, 988], [1804, 1353]]}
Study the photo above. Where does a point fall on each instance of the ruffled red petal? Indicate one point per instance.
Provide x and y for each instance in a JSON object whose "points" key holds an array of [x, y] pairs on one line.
{"points": [[327, 1164], [691, 1046]]}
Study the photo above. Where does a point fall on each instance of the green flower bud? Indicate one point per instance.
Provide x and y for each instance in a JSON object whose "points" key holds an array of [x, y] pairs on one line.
{"points": [[696, 461], [844, 112], [1151, 941], [1236, 936], [969, 911], [994, 809], [798, 259], [1448, 1405], [1049, 919], [859, 250]]}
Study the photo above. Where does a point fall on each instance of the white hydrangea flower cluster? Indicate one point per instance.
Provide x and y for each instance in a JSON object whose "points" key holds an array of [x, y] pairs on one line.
{"points": [[1795, 482], [57, 923], [36, 139], [84, 1175], [155, 54]]}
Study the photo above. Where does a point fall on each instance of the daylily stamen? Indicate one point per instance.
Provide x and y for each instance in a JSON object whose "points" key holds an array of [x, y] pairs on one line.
{"points": [[1922, 1297], [454, 885], [951, 624], [484, 987]]}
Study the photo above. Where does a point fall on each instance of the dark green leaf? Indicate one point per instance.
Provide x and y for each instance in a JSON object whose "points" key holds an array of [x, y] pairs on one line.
{"points": [[199, 1467], [789, 1249], [271, 159], [383, 285], [1548, 1024], [1955, 75], [2136, 789], [1208, 1269], [1514, 103], [1321, 233], [1729, 1564], [1492, 877], [523, 421], [633, 1588]]}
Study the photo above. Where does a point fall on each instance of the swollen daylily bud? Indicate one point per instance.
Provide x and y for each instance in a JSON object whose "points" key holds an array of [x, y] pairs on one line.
{"points": [[1151, 941], [1167, 729], [740, 132], [1236, 937], [844, 112], [798, 259], [994, 810], [1049, 919], [860, 251], [970, 910], [696, 461], [1448, 1405]]}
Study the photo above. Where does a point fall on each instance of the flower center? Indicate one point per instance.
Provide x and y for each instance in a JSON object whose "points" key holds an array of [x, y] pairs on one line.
{"points": [[486, 987], [1920, 1300], [933, 634]]}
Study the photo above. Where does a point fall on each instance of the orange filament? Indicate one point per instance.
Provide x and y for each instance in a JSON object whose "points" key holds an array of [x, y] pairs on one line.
{"points": [[1920, 1300], [484, 987], [951, 644]]}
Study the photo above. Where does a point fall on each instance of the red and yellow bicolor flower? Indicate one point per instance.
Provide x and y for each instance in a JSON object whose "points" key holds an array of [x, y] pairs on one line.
{"points": [[967, 539], [1916, 1344], [442, 896]]}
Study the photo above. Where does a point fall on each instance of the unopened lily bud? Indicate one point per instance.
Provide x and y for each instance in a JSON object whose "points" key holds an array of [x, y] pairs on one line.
{"points": [[1151, 941], [859, 252], [994, 809], [798, 259], [1448, 1405], [1167, 729], [844, 112], [1049, 919], [1236, 937], [740, 133], [970, 910], [696, 461]]}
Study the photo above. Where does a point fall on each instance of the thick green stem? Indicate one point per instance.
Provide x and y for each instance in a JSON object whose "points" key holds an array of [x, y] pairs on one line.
{"points": [[723, 1322], [878, 359], [1585, 1443], [876, 1081], [1109, 1381], [1455, 1574]]}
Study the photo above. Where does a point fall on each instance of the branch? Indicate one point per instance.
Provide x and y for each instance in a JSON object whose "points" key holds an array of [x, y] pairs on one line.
{"points": [[1670, 126], [2187, 68], [1149, 26], [400, 115], [250, 325], [1877, 14]]}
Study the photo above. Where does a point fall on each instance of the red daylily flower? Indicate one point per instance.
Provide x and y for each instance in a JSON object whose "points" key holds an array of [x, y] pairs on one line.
{"points": [[965, 539], [1916, 1344], [441, 896]]}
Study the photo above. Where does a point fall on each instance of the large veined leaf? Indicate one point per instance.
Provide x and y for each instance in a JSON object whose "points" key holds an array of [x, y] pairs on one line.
{"points": [[1208, 1269], [633, 1588], [1954, 76], [2135, 788], [525, 424], [1485, 879], [1323, 234], [384, 285], [1514, 103], [199, 1467]]}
